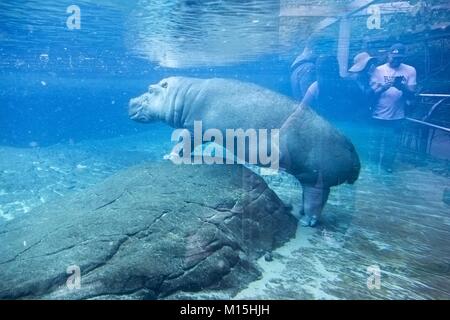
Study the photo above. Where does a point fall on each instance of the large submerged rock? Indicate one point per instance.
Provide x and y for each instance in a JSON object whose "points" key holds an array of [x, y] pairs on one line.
{"points": [[151, 231]]}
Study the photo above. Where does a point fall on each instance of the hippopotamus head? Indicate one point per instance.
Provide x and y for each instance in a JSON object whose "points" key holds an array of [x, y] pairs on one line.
{"points": [[148, 107]]}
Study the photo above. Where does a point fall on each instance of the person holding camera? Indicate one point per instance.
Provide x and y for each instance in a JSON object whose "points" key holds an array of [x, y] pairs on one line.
{"points": [[393, 83]]}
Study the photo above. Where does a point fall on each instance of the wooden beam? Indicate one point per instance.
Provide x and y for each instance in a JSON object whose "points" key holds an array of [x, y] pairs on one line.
{"points": [[359, 5], [352, 8], [356, 8], [301, 10], [309, 11], [391, 8]]}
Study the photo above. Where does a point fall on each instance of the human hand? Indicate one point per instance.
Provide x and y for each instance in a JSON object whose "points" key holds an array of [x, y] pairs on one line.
{"points": [[387, 85], [399, 83]]}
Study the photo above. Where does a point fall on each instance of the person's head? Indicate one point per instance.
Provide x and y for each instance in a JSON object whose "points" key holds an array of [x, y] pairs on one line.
{"points": [[327, 70], [397, 54], [328, 78], [363, 63], [330, 84], [315, 46]]}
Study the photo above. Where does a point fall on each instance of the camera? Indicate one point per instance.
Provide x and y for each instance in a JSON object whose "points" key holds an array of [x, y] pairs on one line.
{"points": [[398, 81]]}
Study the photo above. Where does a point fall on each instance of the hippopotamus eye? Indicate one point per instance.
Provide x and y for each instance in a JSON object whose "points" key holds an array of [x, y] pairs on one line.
{"points": [[164, 84], [153, 88]]}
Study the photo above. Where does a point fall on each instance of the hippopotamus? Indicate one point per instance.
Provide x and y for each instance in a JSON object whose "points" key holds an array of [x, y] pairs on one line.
{"points": [[311, 149]]}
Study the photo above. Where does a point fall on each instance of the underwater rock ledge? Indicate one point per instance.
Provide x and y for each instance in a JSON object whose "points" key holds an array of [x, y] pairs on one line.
{"points": [[148, 232]]}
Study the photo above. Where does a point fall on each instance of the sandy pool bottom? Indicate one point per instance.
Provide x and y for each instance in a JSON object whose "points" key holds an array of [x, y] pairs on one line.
{"points": [[386, 237]]}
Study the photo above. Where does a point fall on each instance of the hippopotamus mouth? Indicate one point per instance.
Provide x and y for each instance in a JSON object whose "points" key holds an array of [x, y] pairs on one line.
{"points": [[134, 114], [135, 110]]}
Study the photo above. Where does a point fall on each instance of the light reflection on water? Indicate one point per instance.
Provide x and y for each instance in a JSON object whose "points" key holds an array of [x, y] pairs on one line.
{"points": [[173, 33], [186, 33]]}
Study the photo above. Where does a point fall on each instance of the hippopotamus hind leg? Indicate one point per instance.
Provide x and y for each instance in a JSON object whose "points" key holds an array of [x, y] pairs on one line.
{"points": [[314, 200]]}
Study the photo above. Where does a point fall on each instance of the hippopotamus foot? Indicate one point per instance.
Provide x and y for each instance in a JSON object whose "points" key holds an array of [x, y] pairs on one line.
{"points": [[171, 156], [174, 154], [314, 200], [178, 152]]}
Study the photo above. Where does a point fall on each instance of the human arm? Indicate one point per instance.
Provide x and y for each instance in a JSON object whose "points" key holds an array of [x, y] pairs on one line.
{"points": [[311, 95], [377, 83], [308, 78]]}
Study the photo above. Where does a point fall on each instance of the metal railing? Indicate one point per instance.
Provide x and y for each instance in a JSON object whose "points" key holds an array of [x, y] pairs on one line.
{"points": [[443, 97], [429, 124], [424, 137]]}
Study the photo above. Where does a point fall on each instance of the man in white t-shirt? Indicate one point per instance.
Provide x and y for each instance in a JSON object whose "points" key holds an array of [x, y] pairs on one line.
{"points": [[393, 83]]}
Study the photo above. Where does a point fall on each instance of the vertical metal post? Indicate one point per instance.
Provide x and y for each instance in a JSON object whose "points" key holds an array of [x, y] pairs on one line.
{"points": [[343, 46]]}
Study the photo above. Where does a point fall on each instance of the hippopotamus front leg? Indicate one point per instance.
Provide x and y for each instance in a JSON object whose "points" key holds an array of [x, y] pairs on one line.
{"points": [[178, 152], [174, 153], [314, 200]]}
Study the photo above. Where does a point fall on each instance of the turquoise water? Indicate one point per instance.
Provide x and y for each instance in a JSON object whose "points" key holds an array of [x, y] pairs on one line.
{"points": [[64, 128], [75, 84]]}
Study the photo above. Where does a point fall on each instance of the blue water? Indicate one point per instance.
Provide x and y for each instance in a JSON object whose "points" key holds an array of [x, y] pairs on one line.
{"points": [[64, 127], [60, 84]]}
